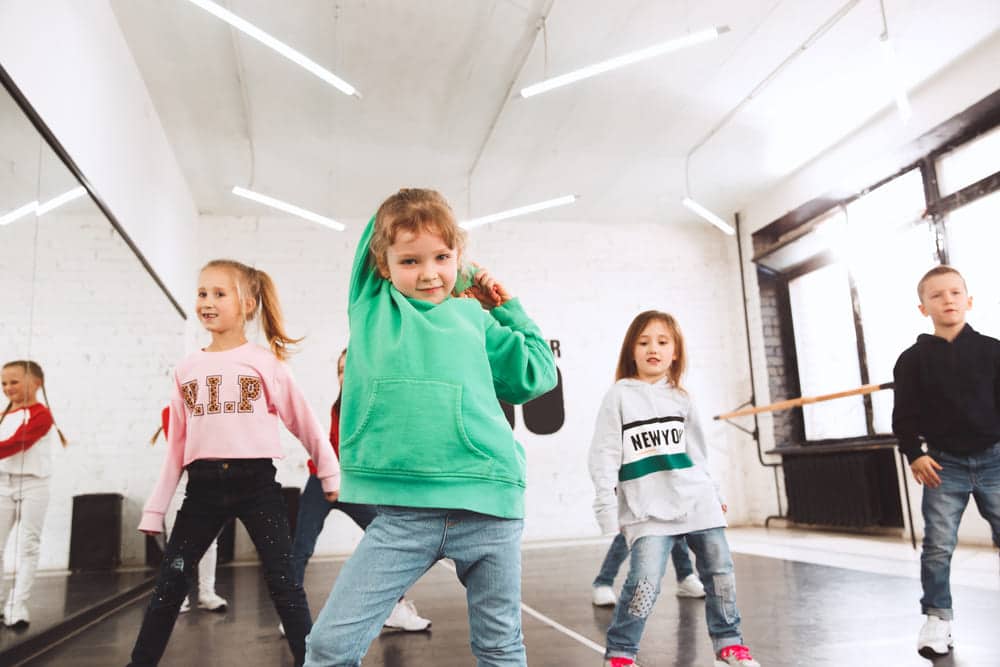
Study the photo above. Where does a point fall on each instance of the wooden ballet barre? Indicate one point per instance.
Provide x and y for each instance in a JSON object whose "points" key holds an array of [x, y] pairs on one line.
{"points": [[805, 400]]}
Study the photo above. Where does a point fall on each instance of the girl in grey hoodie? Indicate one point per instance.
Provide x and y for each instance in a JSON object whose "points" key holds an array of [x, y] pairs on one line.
{"points": [[649, 468]]}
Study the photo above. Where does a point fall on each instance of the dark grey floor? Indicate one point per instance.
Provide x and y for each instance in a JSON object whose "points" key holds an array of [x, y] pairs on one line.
{"points": [[56, 598], [793, 614]]}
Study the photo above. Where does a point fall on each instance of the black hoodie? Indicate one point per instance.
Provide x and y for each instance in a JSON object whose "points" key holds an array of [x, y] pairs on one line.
{"points": [[949, 394]]}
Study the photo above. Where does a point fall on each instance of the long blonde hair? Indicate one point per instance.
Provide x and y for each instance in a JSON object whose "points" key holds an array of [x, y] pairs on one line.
{"points": [[257, 285], [34, 369], [626, 358]]}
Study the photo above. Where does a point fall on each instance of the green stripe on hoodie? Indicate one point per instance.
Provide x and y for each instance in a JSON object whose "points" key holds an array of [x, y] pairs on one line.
{"points": [[420, 424]]}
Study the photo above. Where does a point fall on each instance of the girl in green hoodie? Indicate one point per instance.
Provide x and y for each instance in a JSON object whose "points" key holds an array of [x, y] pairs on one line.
{"points": [[423, 435]]}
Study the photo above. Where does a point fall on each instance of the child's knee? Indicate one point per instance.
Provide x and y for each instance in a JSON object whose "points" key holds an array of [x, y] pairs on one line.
{"points": [[643, 598]]}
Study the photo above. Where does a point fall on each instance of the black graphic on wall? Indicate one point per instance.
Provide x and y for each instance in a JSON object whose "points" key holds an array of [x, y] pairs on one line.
{"points": [[546, 414]]}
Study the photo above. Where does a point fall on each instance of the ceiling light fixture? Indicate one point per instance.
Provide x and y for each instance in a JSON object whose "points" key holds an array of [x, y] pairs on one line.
{"points": [[18, 213], [668, 46], [893, 72], [522, 210], [288, 208], [56, 202], [705, 214], [41, 209], [267, 40]]}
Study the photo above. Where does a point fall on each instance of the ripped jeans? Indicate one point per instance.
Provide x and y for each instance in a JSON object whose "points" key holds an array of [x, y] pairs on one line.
{"points": [[647, 564]]}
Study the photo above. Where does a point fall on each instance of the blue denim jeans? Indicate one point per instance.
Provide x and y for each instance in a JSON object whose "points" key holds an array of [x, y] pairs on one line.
{"points": [[961, 476], [646, 567], [313, 510], [618, 552], [399, 546]]}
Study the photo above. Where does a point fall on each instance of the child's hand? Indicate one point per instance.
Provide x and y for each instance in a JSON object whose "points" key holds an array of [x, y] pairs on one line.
{"points": [[924, 471], [487, 290], [725, 508], [332, 496]]}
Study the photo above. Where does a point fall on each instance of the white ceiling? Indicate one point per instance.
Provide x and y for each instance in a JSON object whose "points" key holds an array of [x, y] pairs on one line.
{"points": [[436, 76]]}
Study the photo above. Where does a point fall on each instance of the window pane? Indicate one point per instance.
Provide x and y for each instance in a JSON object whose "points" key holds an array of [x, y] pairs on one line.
{"points": [[969, 162], [888, 255], [887, 296], [973, 238], [826, 347]]}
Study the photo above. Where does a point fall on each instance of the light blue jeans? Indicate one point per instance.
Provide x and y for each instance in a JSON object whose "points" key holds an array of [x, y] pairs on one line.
{"points": [[961, 476], [398, 547], [646, 567], [618, 552]]}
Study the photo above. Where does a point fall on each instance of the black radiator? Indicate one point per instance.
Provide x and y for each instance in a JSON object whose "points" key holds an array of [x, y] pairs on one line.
{"points": [[843, 489]]}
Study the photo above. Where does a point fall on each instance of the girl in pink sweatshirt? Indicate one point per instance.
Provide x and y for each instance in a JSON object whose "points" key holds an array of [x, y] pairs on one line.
{"points": [[224, 410]]}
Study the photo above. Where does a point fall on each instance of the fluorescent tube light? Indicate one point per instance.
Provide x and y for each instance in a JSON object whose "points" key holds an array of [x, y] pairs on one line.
{"points": [[705, 214], [18, 213], [296, 57], [56, 202], [675, 44], [522, 210], [288, 208]]}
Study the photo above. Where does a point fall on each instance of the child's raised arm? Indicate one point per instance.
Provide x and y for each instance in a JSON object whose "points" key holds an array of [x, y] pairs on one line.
{"points": [[364, 274], [605, 460], [520, 358]]}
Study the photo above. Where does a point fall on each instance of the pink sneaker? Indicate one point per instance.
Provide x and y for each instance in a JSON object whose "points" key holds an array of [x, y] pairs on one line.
{"points": [[620, 662], [737, 654]]}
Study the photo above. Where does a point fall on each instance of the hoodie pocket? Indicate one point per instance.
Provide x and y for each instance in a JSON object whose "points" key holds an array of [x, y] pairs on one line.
{"points": [[650, 498], [415, 426]]}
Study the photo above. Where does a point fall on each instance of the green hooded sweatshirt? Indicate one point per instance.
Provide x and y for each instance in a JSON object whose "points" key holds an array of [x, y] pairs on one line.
{"points": [[420, 425]]}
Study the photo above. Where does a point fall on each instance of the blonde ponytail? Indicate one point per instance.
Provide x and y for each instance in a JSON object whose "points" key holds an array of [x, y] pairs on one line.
{"points": [[261, 289]]}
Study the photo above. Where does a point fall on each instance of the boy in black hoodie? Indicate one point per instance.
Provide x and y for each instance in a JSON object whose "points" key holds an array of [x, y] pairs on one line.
{"points": [[948, 394]]}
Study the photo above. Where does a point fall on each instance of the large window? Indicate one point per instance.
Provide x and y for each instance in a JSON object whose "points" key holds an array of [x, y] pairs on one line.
{"points": [[969, 163], [973, 242], [851, 275], [895, 246], [827, 351]]}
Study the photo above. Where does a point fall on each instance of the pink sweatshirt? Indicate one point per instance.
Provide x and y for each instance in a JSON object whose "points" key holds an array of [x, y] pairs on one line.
{"points": [[226, 405]]}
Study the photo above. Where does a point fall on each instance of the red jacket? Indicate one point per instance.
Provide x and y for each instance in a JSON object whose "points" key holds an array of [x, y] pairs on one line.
{"points": [[334, 436], [29, 432]]}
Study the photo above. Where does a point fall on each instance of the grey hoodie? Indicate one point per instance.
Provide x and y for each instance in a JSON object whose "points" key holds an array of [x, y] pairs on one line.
{"points": [[648, 462]]}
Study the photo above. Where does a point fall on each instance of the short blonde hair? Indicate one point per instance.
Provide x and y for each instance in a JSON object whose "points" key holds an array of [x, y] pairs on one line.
{"points": [[413, 210], [938, 271]]}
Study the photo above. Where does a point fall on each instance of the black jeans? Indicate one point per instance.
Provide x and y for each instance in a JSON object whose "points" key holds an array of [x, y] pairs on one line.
{"points": [[217, 491]]}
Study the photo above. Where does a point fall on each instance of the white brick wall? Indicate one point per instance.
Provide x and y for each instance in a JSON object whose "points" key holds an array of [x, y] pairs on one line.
{"points": [[106, 337], [582, 283]]}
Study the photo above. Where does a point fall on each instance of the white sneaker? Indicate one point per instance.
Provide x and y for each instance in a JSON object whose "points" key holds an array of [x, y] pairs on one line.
{"points": [[185, 606], [935, 637], [404, 616], [16, 616], [604, 596], [212, 602], [690, 587]]}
